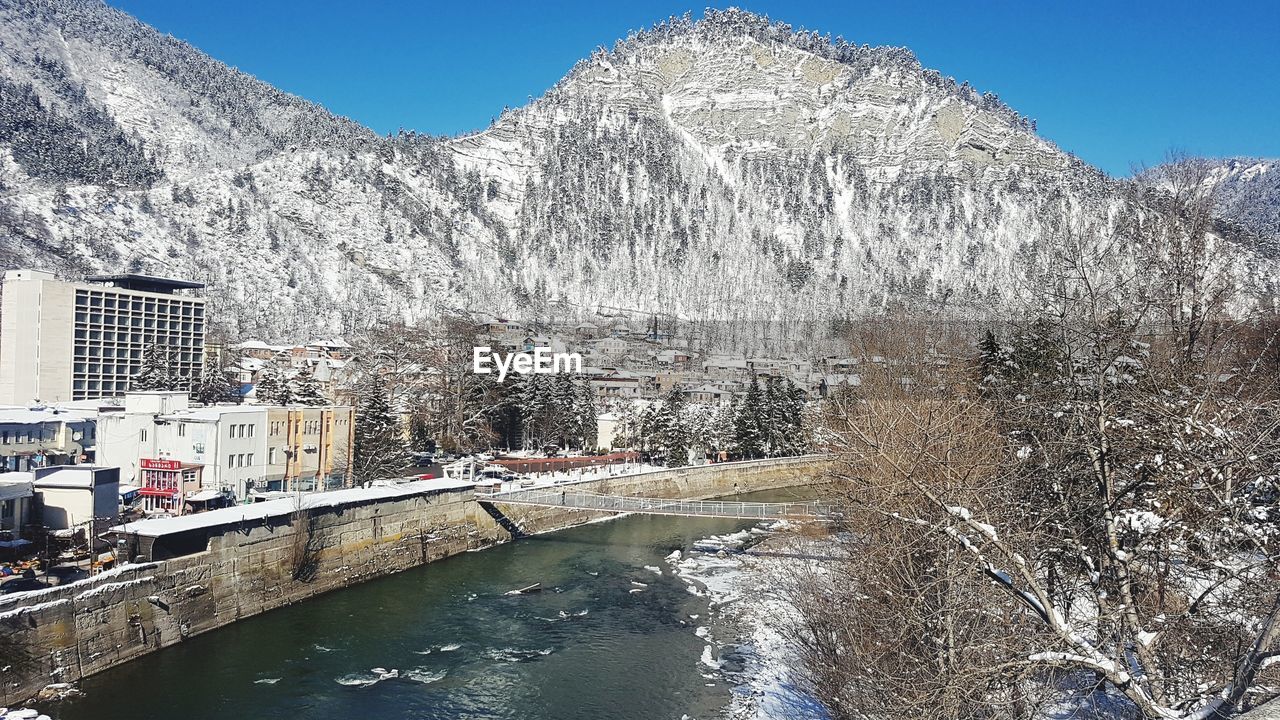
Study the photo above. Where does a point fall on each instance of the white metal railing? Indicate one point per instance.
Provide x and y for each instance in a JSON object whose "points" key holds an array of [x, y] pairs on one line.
{"points": [[554, 497]]}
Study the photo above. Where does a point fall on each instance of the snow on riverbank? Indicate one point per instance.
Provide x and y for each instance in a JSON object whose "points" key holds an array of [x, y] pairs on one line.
{"points": [[21, 714], [744, 645]]}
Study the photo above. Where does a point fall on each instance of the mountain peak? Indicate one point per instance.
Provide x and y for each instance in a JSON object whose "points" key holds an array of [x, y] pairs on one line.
{"points": [[718, 25]]}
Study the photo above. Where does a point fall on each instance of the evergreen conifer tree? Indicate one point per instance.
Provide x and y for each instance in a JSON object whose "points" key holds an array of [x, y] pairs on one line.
{"points": [[585, 413], [157, 370], [215, 385], [272, 387], [748, 423], [672, 431], [306, 390], [379, 451]]}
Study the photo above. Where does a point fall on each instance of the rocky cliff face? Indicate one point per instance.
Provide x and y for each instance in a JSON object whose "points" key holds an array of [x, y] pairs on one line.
{"points": [[725, 169]]}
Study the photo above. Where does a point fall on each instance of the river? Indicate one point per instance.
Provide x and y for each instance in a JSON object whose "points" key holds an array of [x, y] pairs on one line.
{"points": [[607, 637]]}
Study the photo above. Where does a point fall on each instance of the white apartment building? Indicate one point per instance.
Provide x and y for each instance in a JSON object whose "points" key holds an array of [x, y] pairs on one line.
{"points": [[228, 448], [62, 341]]}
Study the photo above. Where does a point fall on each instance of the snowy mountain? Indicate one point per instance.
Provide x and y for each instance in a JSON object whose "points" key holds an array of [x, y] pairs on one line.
{"points": [[1249, 198], [724, 169]]}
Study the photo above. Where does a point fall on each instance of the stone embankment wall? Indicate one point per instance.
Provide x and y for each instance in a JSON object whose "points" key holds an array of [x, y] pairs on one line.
{"points": [[65, 633]]}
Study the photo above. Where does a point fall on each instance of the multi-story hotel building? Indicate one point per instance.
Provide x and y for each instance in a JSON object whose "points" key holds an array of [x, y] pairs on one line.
{"points": [[62, 341]]}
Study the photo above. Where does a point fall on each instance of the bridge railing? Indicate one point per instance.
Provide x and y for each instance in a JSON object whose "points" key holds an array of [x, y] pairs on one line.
{"points": [[659, 506]]}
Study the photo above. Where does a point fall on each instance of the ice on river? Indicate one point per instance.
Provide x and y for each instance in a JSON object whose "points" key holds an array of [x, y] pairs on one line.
{"points": [[368, 679], [517, 655], [376, 675], [756, 658]]}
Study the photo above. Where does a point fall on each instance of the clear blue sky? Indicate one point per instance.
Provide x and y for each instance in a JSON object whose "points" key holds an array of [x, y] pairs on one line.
{"points": [[1117, 82]]}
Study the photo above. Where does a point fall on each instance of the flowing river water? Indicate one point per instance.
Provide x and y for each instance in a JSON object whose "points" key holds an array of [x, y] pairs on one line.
{"points": [[607, 637]]}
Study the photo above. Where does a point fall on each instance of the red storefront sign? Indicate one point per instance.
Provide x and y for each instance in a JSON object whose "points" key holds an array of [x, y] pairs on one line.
{"points": [[156, 464]]}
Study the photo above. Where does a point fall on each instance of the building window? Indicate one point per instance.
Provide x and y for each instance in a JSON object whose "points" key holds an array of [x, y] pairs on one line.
{"points": [[142, 435], [251, 431], [231, 461], [271, 456], [250, 460], [182, 429]]}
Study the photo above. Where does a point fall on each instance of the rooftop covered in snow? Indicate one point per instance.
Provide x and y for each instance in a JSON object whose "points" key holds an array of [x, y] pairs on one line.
{"points": [[257, 512]]}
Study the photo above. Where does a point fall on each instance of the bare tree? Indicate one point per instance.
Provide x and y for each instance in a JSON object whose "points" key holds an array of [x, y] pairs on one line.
{"points": [[1095, 505], [427, 374]]}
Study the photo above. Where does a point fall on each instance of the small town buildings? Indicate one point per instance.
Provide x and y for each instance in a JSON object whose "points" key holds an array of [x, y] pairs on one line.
{"points": [[262, 351], [616, 384], [74, 497], [608, 425], [709, 395], [723, 367], [232, 450], [671, 358], [830, 383], [166, 485], [664, 381], [614, 346], [38, 436]]}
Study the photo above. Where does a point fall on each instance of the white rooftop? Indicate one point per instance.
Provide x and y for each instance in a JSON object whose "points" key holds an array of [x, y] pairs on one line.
{"points": [[158, 527], [17, 415], [15, 485]]}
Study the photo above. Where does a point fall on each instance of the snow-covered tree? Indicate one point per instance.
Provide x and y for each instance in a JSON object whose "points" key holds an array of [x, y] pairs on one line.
{"points": [[783, 415], [158, 370], [273, 388], [380, 450], [306, 390], [667, 429], [1094, 517], [216, 385], [749, 423]]}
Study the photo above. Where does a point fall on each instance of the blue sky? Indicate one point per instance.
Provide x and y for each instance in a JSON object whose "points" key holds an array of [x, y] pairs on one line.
{"points": [[1117, 83]]}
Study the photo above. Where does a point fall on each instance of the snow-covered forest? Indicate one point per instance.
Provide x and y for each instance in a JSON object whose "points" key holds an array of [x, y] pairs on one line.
{"points": [[729, 168]]}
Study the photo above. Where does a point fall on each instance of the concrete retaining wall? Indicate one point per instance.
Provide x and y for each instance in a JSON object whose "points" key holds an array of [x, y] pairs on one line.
{"points": [[69, 632]]}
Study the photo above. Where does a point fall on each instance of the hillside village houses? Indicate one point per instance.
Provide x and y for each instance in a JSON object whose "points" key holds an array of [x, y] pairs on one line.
{"points": [[625, 364], [326, 360], [178, 457]]}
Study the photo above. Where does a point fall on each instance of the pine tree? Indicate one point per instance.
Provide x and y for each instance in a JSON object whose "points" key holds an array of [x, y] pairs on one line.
{"points": [[672, 432], [786, 417], [586, 414], [157, 371], [215, 385], [379, 451], [748, 424], [272, 387], [306, 390]]}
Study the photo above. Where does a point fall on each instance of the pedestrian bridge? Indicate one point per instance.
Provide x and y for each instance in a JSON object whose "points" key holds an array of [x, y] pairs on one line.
{"points": [[570, 498]]}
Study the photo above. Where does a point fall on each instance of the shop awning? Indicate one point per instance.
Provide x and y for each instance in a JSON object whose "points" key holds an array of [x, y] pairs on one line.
{"points": [[159, 492]]}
